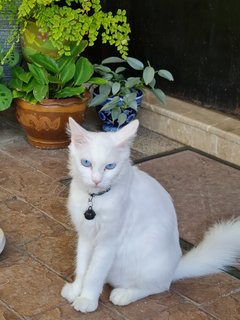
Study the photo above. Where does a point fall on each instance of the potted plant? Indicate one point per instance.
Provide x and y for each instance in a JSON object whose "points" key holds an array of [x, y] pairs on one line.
{"points": [[48, 25], [47, 92], [118, 100]]}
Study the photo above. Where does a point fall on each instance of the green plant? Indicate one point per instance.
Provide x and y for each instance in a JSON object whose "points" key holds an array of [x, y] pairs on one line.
{"points": [[10, 60], [64, 22], [46, 77], [8, 16], [121, 89]]}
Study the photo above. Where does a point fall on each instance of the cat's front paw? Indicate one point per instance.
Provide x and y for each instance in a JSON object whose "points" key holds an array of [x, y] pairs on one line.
{"points": [[71, 291], [85, 304]]}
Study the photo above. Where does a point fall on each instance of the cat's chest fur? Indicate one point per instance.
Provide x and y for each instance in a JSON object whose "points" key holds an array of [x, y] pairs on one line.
{"points": [[105, 207]]}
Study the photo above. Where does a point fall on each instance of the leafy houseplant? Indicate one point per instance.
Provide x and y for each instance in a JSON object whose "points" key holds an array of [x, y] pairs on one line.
{"points": [[47, 78], [69, 21], [47, 92], [118, 100]]}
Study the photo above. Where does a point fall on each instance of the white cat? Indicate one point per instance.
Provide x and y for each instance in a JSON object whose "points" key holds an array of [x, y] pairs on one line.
{"points": [[132, 243]]}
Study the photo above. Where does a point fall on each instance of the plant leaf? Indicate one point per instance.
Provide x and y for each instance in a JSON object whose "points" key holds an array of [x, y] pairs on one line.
{"points": [[135, 63], [111, 104], [148, 74], [112, 60], [120, 69], [84, 71], [97, 80], [16, 71], [115, 113], [165, 74], [25, 76], [152, 83], [67, 72], [116, 87], [69, 92], [46, 62], [98, 100], [132, 82], [133, 105], [130, 97], [1, 71], [63, 61], [108, 76], [101, 69], [77, 49], [12, 58], [121, 119], [40, 92], [15, 84], [38, 73], [17, 94], [105, 89], [54, 79], [5, 97], [159, 94], [30, 86]]}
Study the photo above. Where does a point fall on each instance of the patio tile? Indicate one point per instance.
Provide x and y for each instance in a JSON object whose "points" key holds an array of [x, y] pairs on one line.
{"points": [[18, 178], [40, 248], [167, 305], [55, 206], [226, 308], [50, 162], [149, 308], [137, 155], [6, 314], [34, 187], [56, 251], [67, 312], [204, 190], [9, 116], [22, 223], [150, 143], [8, 132], [203, 290], [27, 287], [184, 311]]}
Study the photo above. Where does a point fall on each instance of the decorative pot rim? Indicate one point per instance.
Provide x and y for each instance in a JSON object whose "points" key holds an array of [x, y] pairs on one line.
{"points": [[59, 103]]}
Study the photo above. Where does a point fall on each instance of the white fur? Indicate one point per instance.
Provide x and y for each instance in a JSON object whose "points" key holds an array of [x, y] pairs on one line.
{"points": [[133, 242]]}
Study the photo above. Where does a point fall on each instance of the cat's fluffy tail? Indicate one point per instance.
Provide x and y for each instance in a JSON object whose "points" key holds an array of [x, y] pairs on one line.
{"points": [[219, 248]]}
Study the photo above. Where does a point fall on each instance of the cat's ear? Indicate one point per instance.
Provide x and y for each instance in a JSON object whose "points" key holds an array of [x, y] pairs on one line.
{"points": [[126, 134], [77, 133]]}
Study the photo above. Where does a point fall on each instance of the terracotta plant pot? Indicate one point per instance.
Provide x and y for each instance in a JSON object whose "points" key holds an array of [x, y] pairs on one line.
{"points": [[45, 123]]}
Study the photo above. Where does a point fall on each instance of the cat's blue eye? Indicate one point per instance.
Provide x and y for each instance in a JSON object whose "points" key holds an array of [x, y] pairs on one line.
{"points": [[86, 163], [110, 166]]}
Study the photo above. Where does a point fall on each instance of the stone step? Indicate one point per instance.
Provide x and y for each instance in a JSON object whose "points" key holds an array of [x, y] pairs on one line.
{"points": [[204, 129]]}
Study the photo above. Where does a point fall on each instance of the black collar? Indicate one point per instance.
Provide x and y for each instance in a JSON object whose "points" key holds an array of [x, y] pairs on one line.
{"points": [[99, 193], [90, 213]]}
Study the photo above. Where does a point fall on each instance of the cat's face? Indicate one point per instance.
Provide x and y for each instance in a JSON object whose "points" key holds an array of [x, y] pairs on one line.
{"points": [[99, 159]]}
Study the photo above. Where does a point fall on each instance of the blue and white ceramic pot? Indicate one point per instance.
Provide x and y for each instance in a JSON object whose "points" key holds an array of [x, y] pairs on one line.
{"points": [[106, 118]]}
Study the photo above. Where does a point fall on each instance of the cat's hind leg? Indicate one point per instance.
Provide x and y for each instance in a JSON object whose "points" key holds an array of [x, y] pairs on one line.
{"points": [[124, 296]]}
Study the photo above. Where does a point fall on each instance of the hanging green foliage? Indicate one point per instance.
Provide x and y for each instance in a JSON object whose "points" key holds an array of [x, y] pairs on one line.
{"points": [[70, 21]]}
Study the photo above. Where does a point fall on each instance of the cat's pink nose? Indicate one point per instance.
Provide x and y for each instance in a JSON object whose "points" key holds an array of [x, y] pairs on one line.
{"points": [[96, 181]]}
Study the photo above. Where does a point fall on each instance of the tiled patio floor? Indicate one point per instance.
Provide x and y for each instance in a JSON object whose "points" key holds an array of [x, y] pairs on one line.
{"points": [[39, 254]]}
